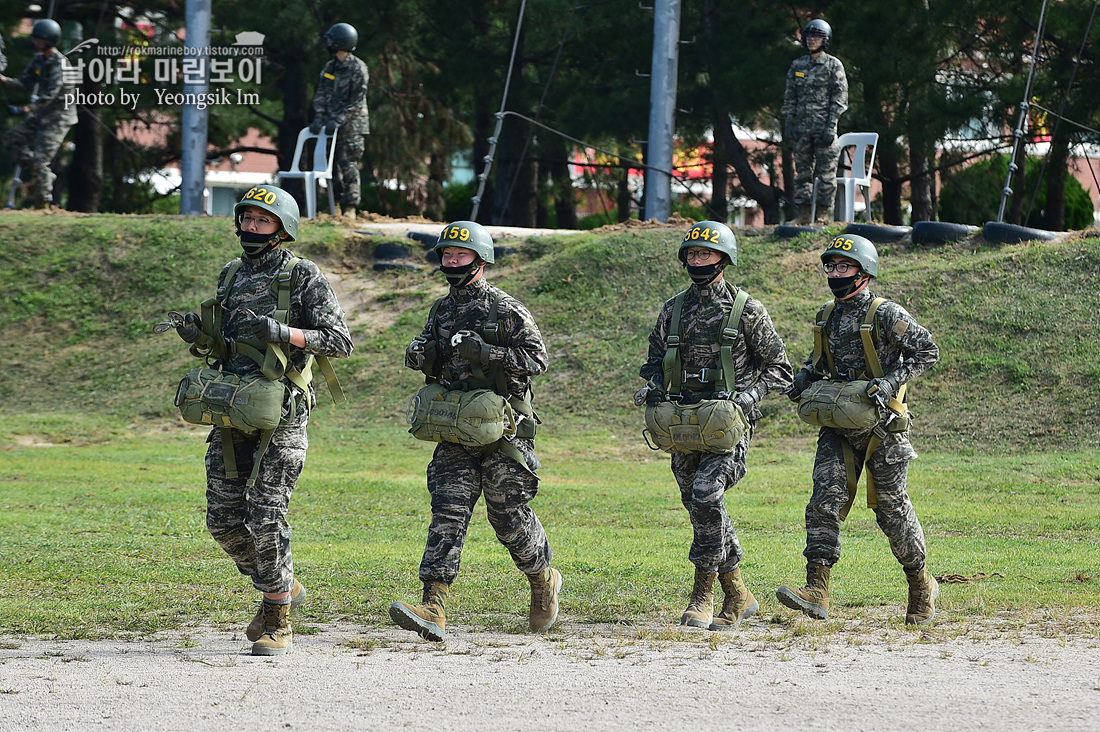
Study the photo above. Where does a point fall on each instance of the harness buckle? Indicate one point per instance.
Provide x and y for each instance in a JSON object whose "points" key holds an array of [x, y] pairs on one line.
{"points": [[731, 333], [673, 340], [879, 431], [284, 276]]}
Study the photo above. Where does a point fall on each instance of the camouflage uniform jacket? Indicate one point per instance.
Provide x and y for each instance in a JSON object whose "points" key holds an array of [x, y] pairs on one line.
{"points": [[905, 348], [342, 95], [46, 72], [759, 355], [816, 94], [521, 353], [313, 308]]}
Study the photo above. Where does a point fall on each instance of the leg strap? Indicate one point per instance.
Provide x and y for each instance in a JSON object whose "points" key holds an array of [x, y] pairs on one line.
{"points": [[229, 455]]}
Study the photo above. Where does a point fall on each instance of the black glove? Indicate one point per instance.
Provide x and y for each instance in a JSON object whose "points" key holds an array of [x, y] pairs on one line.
{"points": [[788, 130], [263, 328], [746, 399], [315, 126], [15, 110], [650, 394], [424, 353], [191, 328], [882, 390], [801, 382], [472, 348], [331, 126]]}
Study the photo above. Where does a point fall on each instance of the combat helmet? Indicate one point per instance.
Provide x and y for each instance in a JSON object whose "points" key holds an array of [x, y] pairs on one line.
{"points": [[817, 27], [468, 235], [854, 247], [274, 200], [711, 235], [341, 37], [47, 30]]}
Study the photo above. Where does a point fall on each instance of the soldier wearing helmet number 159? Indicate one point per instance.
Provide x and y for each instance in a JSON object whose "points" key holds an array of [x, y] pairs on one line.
{"points": [[901, 350], [815, 97], [340, 103], [249, 522], [760, 363], [479, 337]]}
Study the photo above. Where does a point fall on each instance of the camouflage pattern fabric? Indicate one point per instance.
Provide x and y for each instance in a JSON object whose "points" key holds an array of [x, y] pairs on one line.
{"points": [[349, 151], [35, 140], [458, 475], [251, 524], [905, 350], [815, 97], [762, 367], [341, 95]]}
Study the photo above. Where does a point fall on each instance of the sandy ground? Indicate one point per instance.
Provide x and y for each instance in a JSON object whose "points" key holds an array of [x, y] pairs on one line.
{"points": [[868, 675]]}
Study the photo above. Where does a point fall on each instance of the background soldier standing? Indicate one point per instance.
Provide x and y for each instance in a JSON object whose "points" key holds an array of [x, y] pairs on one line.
{"points": [[816, 96], [249, 522], [33, 142], [340, 101], [451, 350], [905, 351], [761, 365]]}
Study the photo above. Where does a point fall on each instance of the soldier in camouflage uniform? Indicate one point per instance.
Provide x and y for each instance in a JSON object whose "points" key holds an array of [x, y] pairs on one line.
{"points": [[451, 350], [816, 96], [340, 102], [249, 523], [905, 351], [33, 142], [762, 367]]}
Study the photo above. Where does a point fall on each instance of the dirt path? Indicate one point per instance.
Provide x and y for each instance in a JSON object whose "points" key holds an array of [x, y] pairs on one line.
{"points": [[866, 675]]}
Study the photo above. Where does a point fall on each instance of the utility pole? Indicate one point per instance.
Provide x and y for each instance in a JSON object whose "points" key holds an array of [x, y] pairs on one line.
{"points": [[193, 124], [662, 109]]}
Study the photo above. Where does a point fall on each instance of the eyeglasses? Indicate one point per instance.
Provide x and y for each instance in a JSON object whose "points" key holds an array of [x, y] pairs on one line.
{"points": [[248, 219], [841, 268], [701, 255]]}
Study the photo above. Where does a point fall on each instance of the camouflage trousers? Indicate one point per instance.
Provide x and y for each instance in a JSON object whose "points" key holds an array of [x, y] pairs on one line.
{"points": [[895, 515], [349, 151], [457, 477], [32, 144], [703, 479], [815, 157], [250, 523]]}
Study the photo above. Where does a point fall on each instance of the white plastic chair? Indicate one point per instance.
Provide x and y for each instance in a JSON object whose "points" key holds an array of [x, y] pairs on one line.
{"points": [[860, 149], [321, 170]]}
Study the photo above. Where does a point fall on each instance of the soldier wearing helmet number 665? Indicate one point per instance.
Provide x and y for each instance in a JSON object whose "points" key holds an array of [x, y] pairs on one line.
{"points": [[713, 355], [866, 349]]}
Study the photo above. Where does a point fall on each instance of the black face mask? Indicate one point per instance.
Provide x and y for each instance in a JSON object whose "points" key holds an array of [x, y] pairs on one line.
{"points": [[704, 274], [460, 276], [256, 245], [842, 287]]}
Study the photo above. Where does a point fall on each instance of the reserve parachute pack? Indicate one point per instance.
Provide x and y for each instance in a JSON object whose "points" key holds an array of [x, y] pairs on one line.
{"points": [[710, 425], [254, 404], [834, 402], [479, 412]]}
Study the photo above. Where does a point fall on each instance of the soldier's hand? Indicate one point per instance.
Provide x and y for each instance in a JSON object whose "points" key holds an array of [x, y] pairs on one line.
{"points": [[15, 110], [264, 328], [801, 382], [315, 126], [650, 394], [472, 348], [331, 126], [423, 351], [882, 390], [746, 400], [191, 328]]}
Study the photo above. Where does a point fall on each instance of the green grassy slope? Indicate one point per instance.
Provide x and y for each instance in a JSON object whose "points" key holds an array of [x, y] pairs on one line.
{"points": [[1018, 326]]}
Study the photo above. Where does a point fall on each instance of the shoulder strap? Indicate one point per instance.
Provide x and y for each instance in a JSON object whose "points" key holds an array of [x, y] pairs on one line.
{"points": [[731, 331], [866, 334], [490, 333], [823, 357], [671, 366]]}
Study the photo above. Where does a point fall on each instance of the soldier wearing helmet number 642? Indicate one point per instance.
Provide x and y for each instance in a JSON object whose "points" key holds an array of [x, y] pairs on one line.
{"points": [[866, 349], [713, 355]]}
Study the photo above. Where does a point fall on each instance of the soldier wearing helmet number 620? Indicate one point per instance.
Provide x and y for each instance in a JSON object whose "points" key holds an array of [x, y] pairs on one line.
{"points": [[866, 349], [715, 346]]}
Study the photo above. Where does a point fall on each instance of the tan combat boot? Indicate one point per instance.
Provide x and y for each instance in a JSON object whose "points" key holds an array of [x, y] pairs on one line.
{"points": [[700, 609], [813, 599], [923, 590], [545, 587], [429, 617], [824, 216], [349, 212], [255, 629], [739, 603], [278, 636], [803, 217]]}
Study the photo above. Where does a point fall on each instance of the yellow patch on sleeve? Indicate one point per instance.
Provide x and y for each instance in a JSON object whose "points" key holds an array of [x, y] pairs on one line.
{"points": [[799, 74], [900, 327], [329, 76]]}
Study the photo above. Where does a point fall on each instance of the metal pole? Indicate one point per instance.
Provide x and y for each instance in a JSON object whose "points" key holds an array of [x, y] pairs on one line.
{"points": [[193, 125], [662, 109]]}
